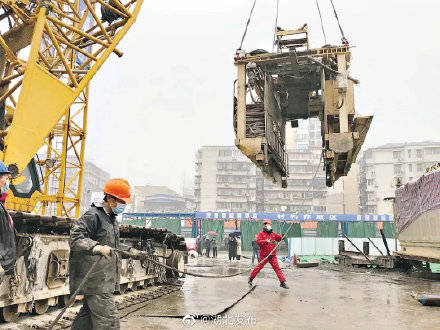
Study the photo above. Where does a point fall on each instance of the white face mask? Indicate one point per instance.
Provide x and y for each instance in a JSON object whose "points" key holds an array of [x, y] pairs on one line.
{"points": [[269, 227]]}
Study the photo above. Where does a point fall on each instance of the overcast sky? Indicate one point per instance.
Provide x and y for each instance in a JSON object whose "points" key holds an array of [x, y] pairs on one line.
{"points": [[171, 92]]}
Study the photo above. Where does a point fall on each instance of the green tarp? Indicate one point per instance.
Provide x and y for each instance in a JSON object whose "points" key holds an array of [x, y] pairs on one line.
{"points": [[294, 231], [134, 222], [327, 229], [173, 225], [359, 229], [250, 228], [215, 226], [388, 229]]}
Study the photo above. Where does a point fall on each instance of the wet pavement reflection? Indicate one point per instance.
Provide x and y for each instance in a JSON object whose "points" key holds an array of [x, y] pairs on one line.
{"points": [[318, 298]]}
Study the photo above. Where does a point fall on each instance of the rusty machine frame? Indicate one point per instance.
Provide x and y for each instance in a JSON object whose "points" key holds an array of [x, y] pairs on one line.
{"points": [[296, 82]]}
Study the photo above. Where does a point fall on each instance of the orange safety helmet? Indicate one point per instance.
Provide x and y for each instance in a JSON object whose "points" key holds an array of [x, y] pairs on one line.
{"points": [[267, 222], [118, 188]]}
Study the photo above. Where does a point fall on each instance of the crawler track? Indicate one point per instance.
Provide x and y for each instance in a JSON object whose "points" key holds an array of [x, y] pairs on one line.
{"points": [[127, 303]]}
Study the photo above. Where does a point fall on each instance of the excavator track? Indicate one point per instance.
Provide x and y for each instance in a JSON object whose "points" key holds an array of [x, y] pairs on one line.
{"points": [[42, 266], [127, 303]]}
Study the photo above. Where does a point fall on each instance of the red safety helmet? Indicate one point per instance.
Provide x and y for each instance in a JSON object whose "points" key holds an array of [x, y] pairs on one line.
{"points": [[267, 222], [118, 188]]}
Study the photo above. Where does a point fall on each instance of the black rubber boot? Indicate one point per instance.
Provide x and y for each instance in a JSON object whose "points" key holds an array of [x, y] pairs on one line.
{"points": [[250, 281], [284, 285]]}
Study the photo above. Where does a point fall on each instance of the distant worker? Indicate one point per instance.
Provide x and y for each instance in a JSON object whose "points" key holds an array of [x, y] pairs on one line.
{"points": [[232, 248], [214, 247], [255, 249], [8, 248], [238, 253], [199, 245], [95, 236], [266, 240], [208, 246]]}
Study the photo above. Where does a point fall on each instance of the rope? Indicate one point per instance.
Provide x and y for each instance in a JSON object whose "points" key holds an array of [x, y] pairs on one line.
{"points": [[290, 226], [197, 316], [275, 28], [356, 81], [193, 274], [322, 24], [72, 297], [247, 269], [247, 24], [344, 40]]}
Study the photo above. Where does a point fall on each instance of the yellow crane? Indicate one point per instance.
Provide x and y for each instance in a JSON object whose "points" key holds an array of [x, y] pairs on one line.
{"points": [[48, 55]]}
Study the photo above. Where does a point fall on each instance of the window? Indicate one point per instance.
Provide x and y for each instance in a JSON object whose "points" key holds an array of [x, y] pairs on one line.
{"points": [[410, 178], [397, 169], [409, 153], [224, 153], [397, 154], [319, 208], [370, 182], [410, 167], [419, 153], [420, 167], [433, 151]]}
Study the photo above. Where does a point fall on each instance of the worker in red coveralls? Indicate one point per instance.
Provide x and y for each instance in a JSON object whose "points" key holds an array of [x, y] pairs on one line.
{"points": [[266, 240]]}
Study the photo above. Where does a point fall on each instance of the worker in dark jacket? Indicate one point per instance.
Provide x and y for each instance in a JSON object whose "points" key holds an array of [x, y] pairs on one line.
{"points": [[255, 249], [266, 240], [8, 249], [95, 236]]}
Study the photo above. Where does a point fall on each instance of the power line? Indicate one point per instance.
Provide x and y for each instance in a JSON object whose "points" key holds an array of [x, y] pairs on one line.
{"points": [[247, 24]]}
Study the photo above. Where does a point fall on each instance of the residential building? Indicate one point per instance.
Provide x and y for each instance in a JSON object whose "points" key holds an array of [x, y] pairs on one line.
{"points": [[224, 180], [381, 168], [93, 182], [227, 181], [343, 197]]}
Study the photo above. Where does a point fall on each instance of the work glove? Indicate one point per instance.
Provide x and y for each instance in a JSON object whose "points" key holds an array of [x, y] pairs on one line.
{"points": [[103, 250]]}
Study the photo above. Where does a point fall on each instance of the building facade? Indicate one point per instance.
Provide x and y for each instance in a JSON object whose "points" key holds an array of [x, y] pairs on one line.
{"points": [[93, 182], [381, 168], [226, 180], [159, 199]]}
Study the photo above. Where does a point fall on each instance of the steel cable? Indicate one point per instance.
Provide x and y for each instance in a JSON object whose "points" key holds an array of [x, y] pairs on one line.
{"points": [[322, 24], [344, 40], [275, 28], [247, 24]]}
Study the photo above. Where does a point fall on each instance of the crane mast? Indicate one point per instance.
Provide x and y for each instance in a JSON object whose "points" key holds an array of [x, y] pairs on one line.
{"points": [[48, 55]]}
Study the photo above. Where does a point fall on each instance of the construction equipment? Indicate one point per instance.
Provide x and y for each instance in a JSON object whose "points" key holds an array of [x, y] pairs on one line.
{"points": [[47, 59], [417, 212], [48, 56], [296, 82], [42, 267]]}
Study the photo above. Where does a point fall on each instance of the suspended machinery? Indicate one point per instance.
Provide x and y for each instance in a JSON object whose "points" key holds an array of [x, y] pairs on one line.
{"points": [[49, 52], [296, 82]]}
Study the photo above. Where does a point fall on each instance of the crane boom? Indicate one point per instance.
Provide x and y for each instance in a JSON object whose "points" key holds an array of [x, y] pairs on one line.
{"points": [[68, 45]]}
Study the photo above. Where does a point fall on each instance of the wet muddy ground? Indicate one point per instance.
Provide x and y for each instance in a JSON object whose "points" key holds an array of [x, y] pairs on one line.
{"points": [[323, 297]]}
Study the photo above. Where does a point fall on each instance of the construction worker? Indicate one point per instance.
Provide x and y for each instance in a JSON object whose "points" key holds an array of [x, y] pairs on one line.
{"points": [[255, 249], [8, 248], [266, 240], [96, 236]]}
